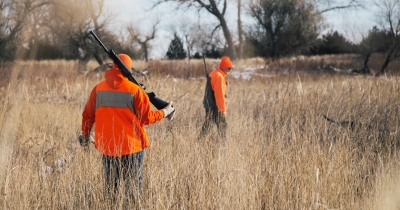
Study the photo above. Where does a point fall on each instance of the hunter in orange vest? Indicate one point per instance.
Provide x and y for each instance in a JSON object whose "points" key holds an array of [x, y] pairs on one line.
{"points": [[120, 109], [214, 98]]}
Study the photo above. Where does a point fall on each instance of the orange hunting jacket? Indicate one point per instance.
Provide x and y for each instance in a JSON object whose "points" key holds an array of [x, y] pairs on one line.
{"points": [[119, 109], [218, 90]]}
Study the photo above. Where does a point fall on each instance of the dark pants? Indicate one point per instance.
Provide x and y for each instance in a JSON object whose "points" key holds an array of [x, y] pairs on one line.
{"points": [[126, 171], [214, 117]]}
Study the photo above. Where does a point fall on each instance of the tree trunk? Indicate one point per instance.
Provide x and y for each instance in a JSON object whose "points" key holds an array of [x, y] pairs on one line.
{"points": [[145, 51], [366, 67], [187, 47], [98, 58], [212, 8], [384, 66], [228, 38], [240, 32], [393, 53], [220, 16]]}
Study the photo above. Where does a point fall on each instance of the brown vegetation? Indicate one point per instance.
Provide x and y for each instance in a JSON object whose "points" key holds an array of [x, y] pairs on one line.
{"points": [[280, 152]]}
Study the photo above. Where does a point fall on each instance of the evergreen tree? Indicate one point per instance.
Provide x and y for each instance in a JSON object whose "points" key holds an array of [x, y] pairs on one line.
{"points": [[333, 43], [175, 49], [376, 41]]}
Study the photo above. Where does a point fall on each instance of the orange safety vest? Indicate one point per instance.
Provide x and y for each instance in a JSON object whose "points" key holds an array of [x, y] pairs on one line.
{"points": [[214, 96], [119, 109]]}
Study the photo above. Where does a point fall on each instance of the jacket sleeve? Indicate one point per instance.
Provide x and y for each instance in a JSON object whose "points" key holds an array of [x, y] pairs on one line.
{"points": [[219, 87], [88, 115], [143, 110]]}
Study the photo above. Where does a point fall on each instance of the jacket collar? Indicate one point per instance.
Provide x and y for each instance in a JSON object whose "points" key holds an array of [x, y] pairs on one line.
{"points": [[114, 77], [222, 72]]}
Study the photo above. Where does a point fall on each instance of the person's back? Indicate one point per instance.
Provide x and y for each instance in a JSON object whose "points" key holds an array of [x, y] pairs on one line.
{"points": [[120, 109]]}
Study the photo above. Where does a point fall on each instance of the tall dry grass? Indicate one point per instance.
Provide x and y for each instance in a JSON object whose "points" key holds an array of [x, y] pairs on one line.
{"points": [[280, 152]]}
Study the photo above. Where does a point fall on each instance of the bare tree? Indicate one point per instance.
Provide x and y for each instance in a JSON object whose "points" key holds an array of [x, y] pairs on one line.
{"points": [[34, 34], [215, 7], [188, 32], [13, 19], [189, 41], [70, 23], [198, 39], [390, 21], [335, 5], [283, 27], [290, 26], [240, 30], [143, 40], [205, 42]]}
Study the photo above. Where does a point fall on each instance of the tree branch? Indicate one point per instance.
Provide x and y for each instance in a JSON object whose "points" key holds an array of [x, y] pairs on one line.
{"points": [[352, 4]]}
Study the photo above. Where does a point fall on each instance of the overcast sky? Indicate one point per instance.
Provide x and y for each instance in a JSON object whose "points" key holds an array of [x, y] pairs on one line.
{"points": [[352, 24]]}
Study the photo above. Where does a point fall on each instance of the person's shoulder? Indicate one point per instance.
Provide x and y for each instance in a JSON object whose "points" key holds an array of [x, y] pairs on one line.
{"points": [[216, 73], [134, 88], [99, 84]]}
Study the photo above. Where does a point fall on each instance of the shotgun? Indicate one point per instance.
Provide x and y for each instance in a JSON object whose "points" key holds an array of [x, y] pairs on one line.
{"points": [[205, 65]]}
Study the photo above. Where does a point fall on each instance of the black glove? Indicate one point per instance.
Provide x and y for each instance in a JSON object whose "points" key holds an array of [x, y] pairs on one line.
{"points": [[84, 140]]}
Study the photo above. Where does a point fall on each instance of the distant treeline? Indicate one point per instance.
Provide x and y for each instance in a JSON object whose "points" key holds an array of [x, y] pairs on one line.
{"points": [[42, 29]]}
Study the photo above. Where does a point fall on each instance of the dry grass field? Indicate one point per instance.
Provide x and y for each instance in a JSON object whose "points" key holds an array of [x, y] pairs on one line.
{"points": [[280, 152]]}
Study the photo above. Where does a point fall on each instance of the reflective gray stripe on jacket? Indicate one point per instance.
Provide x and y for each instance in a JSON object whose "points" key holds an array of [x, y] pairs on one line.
{"points": [[114, 99]]}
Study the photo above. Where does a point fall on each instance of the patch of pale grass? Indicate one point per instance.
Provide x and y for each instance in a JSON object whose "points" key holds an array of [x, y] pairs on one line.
{"points": [[279, 153]]}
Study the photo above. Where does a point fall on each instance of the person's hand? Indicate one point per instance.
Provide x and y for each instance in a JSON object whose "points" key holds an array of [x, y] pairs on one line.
{"points": [[171, 116], [84, 140], [169, 111]]}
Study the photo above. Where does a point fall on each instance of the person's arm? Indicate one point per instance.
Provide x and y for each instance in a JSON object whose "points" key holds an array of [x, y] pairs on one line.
{"points": [[143, 110], [88, 115]]}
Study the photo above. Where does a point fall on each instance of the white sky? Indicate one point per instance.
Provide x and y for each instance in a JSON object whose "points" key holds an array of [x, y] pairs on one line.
{"points": [[351, 24]]}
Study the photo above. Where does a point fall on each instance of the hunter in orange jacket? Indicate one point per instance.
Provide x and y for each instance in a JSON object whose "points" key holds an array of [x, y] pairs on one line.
{"points": [[119, 121], [120, 109], [214, 98]]}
